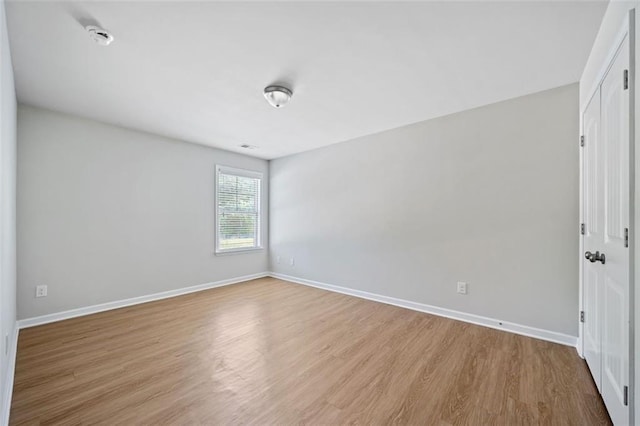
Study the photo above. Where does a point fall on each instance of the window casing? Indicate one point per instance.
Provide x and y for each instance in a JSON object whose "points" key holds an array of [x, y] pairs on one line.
{"points": [[238, 219]]}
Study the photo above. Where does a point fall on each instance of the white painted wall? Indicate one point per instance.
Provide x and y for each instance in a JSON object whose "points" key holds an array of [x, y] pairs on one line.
{"points": [[107, 213], [7, 210], [488, 196], [616, 13]]}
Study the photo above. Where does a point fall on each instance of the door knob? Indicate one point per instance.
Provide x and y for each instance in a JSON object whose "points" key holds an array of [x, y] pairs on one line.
{"points": [[595, 257]]}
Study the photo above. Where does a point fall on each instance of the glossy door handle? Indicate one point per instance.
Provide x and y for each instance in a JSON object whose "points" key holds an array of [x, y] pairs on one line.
{"points": [[595, 257], [599, 257]]}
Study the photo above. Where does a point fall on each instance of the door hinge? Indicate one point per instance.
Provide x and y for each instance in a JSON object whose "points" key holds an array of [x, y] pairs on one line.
{"points": [[626, 395], [581, 316], [582, 228], [581, 140], [626, 80], [626, 237]]}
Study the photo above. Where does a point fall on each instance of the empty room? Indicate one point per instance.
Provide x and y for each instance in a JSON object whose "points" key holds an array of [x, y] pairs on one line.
{"points": [[319, 212]]}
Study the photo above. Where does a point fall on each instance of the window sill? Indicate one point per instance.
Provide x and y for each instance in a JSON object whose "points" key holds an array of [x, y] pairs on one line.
{"points": [[237, 251]]}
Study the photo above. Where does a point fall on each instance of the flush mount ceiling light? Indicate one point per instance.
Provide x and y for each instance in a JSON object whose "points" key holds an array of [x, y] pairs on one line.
{"points": [[277, 96], [99, 35]]}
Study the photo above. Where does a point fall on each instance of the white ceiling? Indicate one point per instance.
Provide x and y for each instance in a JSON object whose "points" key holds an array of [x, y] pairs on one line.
{"points": [[195, 70]]}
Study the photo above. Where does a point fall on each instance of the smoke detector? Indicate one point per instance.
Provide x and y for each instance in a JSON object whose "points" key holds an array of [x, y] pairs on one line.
{"points": [[99, 35], [277, 96]]}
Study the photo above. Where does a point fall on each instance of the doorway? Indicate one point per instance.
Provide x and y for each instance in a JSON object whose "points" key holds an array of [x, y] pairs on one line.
{"points": [[606, 193]]}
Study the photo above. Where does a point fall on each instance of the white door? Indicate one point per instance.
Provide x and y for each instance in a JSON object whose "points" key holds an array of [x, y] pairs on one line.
{"points": [[615, 111], [606, 213], [593, 237]]}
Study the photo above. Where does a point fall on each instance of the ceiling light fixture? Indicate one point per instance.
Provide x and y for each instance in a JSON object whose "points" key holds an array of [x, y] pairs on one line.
{"points": [[99, 35], [277, 96]]}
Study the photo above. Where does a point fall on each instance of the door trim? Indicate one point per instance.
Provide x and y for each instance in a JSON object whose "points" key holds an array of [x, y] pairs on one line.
{"points": [[632, 223]]}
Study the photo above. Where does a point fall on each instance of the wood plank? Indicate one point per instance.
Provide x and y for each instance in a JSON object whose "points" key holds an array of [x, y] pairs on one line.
{"points": [[267, 351]]}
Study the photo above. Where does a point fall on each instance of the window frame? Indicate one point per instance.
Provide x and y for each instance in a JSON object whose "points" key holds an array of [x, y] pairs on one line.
{"points": [[241, 173]]}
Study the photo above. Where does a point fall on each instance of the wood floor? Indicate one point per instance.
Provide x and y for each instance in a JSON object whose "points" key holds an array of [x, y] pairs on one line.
{"points": [[268, 351]]}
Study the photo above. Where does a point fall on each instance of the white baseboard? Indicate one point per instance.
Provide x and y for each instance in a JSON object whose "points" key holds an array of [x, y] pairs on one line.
{"points": [[551, 336], [8, 382], [88, 310]]}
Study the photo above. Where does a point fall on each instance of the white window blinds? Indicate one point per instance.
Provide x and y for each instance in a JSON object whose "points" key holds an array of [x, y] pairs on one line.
{"points": [[238, 209]]}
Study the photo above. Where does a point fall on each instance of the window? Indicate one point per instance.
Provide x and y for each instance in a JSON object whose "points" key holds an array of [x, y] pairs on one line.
{"points": [[238, 210]]}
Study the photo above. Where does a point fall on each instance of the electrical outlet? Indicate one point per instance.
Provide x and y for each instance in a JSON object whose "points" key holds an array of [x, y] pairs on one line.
{"points": [[41, 291], [462, 287], [292, 261]]}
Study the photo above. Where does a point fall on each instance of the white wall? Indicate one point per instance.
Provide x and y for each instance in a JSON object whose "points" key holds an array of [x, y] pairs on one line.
{"points": [[616, 13], [488, 196], [7, 209], [107, 214]]}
